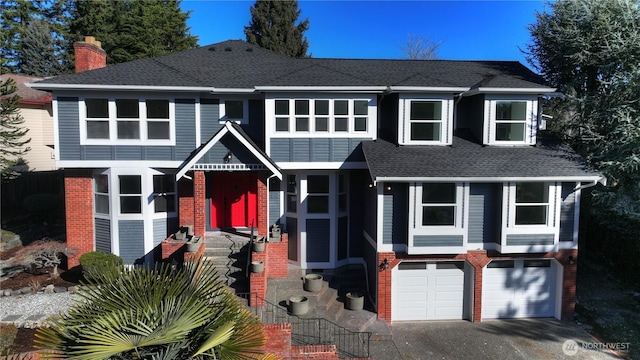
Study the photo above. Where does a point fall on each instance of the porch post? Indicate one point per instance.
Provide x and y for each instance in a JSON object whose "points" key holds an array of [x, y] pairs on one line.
{"points": [[199, 193], [78, 188], [263, 211]]}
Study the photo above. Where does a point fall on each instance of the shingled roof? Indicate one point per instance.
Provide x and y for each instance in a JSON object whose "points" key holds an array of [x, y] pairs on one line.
{"points": [[236, 64], [549, 159]]}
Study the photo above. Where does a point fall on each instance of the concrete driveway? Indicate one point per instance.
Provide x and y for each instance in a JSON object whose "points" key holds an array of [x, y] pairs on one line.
{"points": [[496, 339]]}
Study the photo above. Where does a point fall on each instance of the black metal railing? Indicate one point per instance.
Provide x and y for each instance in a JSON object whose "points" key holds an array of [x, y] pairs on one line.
{"points": [[312, 331]]}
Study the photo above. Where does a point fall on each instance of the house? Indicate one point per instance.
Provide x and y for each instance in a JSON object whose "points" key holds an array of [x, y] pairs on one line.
{"points": [[35, 109], [433, 175]]}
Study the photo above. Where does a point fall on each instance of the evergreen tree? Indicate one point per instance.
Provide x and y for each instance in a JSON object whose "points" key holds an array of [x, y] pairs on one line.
{"points": [[590, 51], [12, 134], [130, 29], [38, 51], [14, 17], [273, 26]]}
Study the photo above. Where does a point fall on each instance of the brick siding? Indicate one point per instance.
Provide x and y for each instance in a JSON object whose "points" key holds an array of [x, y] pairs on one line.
{"points": [[78, 189]]}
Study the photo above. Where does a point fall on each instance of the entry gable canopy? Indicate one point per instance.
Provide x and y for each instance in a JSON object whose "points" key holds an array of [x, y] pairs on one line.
{"points": [[233, 129]]}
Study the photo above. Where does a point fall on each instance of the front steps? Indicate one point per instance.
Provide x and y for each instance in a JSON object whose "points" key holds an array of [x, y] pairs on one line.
{"points": [[229, 253], [328, 303]]}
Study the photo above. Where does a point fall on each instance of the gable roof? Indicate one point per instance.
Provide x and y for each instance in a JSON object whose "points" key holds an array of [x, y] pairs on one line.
{"points": [[27, 94], [235, 64], [549, 160]]}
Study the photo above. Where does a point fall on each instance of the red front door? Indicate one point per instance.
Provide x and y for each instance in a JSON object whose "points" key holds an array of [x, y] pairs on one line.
{"points": [[233, 199]]}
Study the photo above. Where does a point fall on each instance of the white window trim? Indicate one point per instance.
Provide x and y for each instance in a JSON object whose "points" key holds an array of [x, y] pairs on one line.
{"points": [[404, 114], [530, 122], [245, 111], [113, 122], [270, 117], [552, 227], [415, 226]]}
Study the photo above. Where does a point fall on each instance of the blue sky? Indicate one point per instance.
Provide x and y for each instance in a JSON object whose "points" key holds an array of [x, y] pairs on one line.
{"points": [[467, 30]]}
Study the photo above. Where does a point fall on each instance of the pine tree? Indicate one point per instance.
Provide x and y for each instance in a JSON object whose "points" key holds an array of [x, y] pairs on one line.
{"points": [[14, 17], [131, 29], [273, 26], [12, 133], [38, 51]]}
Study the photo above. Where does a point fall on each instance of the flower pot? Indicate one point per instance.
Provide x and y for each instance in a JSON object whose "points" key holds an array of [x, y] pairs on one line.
{"points": [[259, 246], [354, 300], [257, 266], [313, 282], [298, 305], [194, 244]]}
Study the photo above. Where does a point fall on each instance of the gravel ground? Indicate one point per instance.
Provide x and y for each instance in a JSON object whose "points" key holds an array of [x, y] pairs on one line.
{"points": [[33, 310]]}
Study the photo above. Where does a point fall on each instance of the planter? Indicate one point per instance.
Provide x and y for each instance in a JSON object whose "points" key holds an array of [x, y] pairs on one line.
{"points": [[257, 266], [298, 305], [275, 232], [313, 283], [259, 246], [354, 300], [194, 244]]}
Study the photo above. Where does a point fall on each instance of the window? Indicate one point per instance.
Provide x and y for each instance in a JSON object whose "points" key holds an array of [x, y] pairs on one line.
{"points": [[101, 194], [128, 120], [282, 115], [425, 119], [511, 119], [322, 116], [235, 110], [158, 123], [317, 194], [439, 204], [532, 203], [342, 193], [97, 111], [164, 193], [292, 194], [130, 194]]}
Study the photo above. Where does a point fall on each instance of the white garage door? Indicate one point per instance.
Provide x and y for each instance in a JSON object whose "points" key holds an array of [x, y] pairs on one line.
{"points": [[519, 288], [428, 291]]}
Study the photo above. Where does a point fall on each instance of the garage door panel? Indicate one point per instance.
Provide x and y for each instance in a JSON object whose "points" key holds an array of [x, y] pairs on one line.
{"points": [[439, 295], [525, 290]]}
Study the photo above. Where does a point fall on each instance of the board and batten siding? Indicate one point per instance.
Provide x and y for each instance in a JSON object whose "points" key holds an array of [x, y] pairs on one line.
{"points": [[131, 240], [567, 212], [185, 128], [318, 240], [103, 234], [484, 213], [313, 149], [69, 128]]}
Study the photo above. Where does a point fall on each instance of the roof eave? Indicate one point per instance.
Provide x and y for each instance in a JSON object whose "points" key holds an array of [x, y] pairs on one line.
{"points": [[526, 91], [47, 86], [592, 178]]}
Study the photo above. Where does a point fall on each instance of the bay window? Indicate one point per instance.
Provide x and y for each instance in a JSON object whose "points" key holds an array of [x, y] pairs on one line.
{"points": [[164, 193], [101, 194], [318, 194], [130, 194]]}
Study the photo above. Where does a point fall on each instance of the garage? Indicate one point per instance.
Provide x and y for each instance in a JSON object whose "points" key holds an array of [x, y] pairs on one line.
{"points": [[428, 291], [519, 289]]}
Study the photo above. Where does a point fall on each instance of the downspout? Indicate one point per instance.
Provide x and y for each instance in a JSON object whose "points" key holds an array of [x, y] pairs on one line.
{"points": [[602, 180]]}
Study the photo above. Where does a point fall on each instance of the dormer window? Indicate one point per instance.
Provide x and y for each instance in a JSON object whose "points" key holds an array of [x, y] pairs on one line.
{"points": [[426, 121], [511, 121]]}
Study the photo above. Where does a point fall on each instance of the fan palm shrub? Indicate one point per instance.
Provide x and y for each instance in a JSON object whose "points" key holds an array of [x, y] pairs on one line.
{"points": [[155, 313]]}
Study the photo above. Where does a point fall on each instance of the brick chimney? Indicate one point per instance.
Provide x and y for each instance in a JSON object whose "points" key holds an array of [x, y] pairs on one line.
{"points": [[89, 55]]}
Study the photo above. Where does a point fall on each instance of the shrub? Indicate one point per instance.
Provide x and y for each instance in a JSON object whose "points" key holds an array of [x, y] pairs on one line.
{"points": [[8, 334], [100, 262], [42, 254]]}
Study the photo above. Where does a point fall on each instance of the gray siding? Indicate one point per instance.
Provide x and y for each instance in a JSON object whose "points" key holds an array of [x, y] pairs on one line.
{"points": [[292, 230], [209, 118], [387, 219], [131, 234], [313, 149], [103, 234], [567, 212], [530, 239], [343, 237], [185, 127], [274, 201], [484, 213], [437, 240], [69, 128], [318, 236], [162, 228], [255, 127]]}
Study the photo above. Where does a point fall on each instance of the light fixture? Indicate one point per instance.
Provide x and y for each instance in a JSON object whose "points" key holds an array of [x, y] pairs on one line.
{"points": [[384, 265], [227, 158], [389, 188]]}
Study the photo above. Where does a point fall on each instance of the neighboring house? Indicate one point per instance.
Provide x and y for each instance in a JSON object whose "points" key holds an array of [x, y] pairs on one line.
{"points": [[431, 174], [35, 109]]}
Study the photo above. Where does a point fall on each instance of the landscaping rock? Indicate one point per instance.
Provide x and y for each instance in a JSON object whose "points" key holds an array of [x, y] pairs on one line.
{"points": [[26, 290], [49, 289], [7, 292], [60, 289]]}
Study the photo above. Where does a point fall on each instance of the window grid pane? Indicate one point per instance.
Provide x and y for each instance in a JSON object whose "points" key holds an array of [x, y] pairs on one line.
{"points": [[282, 107], [426, 110], [282, 124], [128, 130], [97, 129], [97, 108], [157, 109], [302, 107], [302, 124], [158, 130], [234, 109], [127, 109]]}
